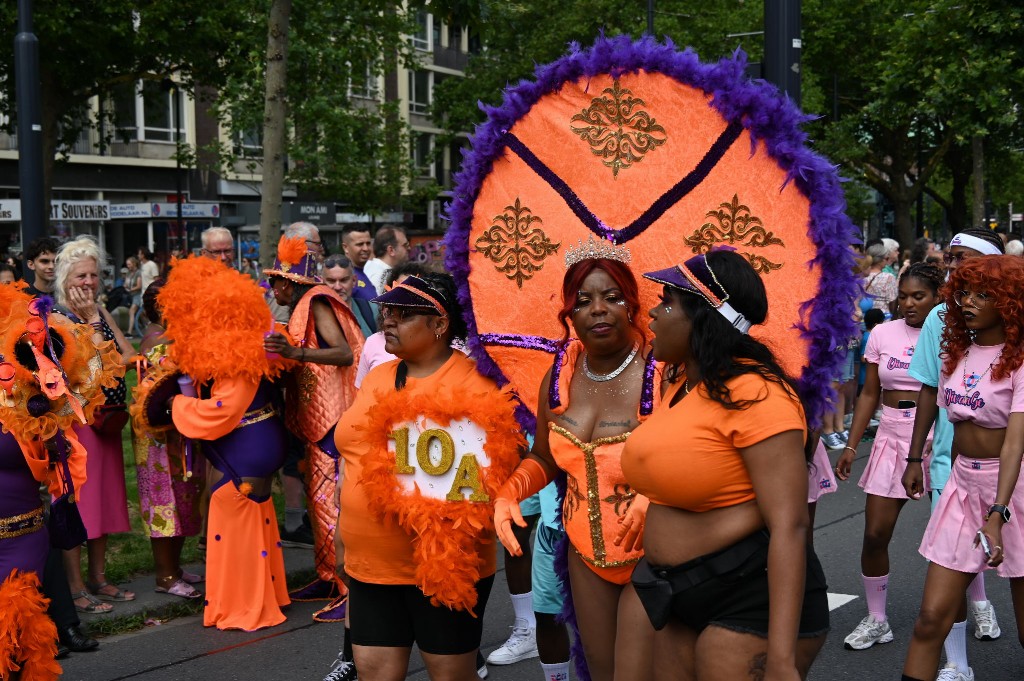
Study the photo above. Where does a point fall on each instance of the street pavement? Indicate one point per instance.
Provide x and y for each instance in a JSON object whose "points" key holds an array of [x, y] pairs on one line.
{"points": [[300, 650]]}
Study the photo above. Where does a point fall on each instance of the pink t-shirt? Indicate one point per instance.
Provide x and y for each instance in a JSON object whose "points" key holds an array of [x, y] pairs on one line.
{"points": [[890, 346], [372, 355], [970, 394]]}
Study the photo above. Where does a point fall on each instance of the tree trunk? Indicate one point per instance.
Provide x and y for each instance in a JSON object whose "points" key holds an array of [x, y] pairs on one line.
{"points": [[960, 172], [906, 230], [978, 180], [274, 117]]}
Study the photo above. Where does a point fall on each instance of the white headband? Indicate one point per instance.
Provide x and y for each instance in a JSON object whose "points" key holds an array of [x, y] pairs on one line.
{"points": [[973, 242]]}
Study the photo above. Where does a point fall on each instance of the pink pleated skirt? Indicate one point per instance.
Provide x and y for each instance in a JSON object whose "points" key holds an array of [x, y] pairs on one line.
{"points": [[949, 539], [883, 474], [102, 501], [820, 479]]}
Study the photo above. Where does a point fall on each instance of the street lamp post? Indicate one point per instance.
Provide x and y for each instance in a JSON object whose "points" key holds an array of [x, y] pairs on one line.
{"points": [[782, 45], [30, 129]]}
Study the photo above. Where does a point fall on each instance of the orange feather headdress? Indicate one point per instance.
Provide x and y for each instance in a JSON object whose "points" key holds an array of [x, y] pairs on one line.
{"points": [[217, 318], [51, 372], [294, 262]]}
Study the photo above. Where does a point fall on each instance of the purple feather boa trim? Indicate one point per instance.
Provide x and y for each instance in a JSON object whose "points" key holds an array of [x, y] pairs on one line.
{"points": [[769, 116]]}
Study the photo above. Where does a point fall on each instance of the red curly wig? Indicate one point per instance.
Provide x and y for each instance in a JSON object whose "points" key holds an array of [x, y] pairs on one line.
{"points": [[1001, 278], [620, 274]]}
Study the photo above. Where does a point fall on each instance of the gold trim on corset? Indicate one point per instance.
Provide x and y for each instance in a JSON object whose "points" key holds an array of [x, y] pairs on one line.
{"points": [[256, 415], [18, 525], [593, 496]]}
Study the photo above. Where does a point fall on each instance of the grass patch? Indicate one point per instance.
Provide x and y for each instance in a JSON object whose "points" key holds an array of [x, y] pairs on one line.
{"points": [[111, 626]]}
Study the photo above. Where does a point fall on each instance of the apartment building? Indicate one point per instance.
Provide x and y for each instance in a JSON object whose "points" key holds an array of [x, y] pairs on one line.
{"points": [[121, 180]]}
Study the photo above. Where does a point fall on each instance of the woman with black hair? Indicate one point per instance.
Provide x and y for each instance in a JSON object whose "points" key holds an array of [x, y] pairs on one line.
{"points": [[887, 385], [388, 448], [733, 483]]}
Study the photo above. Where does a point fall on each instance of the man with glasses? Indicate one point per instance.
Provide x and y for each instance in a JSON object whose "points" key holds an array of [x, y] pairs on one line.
{"points": [[390, 249], [219, 245], [926, 367]]}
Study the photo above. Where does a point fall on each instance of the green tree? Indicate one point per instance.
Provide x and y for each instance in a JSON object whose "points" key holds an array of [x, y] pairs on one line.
{"points": [[517, 36], [89, 49], [343, 143]]}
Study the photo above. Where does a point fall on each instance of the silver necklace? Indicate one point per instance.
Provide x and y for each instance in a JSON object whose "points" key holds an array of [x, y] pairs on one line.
{"points": [[601, 378]]}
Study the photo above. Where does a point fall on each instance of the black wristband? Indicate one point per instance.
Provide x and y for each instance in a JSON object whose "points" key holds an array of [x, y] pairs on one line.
{"points": [[914, 459]]}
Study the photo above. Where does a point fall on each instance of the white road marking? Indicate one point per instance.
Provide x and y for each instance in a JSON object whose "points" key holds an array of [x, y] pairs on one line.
{"points": [[836, 601]]}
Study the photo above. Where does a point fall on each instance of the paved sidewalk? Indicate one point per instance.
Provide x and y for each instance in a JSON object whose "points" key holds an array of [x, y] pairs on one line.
{"points": [[150, 605]]}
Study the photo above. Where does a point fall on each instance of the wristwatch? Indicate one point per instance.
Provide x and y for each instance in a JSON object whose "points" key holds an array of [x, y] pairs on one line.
{"points": [[1001, 510]]}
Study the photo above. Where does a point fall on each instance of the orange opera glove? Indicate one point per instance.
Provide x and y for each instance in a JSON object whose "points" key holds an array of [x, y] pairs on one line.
{"points": [[527, 479]]}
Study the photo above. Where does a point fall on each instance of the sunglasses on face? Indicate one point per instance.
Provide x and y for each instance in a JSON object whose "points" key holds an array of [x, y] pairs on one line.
{"points": [[401, 314]]}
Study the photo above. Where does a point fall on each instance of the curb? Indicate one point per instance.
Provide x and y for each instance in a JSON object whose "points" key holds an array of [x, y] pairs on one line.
{"points": [[150, 606]]}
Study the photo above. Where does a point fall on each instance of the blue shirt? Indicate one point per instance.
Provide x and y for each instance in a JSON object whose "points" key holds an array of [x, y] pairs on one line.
{"points": [[362, 294], [926, 366]]}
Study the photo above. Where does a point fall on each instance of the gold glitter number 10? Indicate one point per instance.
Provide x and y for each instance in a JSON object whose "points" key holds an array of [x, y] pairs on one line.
{"points": [[467, 476]]}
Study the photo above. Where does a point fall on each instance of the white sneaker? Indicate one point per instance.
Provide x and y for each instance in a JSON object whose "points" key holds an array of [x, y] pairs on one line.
{"points": [[869, 632], [481, 666], [521, 645], [953, 673], [986, 626]]}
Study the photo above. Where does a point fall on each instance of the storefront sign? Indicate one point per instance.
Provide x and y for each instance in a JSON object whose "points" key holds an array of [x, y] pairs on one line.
{"points": [[188, 210], [301, 211], [80, 211], [127, 211], [10, 210], [145, 211]]}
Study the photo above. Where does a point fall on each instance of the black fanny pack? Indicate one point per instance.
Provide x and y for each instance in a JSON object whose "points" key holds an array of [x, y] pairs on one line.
{"points": [[657, 586]]}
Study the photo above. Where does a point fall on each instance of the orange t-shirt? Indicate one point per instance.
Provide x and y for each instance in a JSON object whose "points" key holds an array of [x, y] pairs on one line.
{"points": [[380, 551], [688, 455]]}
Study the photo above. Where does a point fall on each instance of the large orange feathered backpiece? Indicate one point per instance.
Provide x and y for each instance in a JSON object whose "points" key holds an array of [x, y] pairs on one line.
{"points": [[217, 318], [27, 372]]}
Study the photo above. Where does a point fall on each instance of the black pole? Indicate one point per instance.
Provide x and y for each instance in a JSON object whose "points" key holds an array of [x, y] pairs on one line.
{"points": [[30, 128], [650, 18], [177, 161], [782, 45]]}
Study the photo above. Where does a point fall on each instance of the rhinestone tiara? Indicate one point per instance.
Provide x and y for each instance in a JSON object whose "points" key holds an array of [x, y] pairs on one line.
{"points": [[601, 249]]}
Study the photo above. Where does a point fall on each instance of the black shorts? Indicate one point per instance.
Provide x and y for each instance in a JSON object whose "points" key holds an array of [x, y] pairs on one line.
{"points": [[398, 615], [728, 588]]}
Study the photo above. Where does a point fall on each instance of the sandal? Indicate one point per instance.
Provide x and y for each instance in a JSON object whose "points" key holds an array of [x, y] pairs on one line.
{"points": [[191, 577], [117, 597], [94, 607], [180, 588]]}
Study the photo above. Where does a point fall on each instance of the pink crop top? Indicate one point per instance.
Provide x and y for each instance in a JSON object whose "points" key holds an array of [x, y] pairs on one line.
{"points": [[970, 394], [891, 346]]}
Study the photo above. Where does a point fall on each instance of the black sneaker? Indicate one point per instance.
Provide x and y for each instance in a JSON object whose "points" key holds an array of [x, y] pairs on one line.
{"points": [[342, 670], [301, 538]]}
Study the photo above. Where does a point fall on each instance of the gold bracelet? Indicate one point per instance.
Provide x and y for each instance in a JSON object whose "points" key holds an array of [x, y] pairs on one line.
{"points": [[852, 449]]}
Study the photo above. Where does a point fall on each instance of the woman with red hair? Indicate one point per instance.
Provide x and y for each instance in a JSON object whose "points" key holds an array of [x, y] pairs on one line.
{"points": [[982, 389], [599, 389]]}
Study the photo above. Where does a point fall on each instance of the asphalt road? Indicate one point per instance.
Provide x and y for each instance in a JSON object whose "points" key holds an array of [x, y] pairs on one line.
{"points": [[300, 650]]}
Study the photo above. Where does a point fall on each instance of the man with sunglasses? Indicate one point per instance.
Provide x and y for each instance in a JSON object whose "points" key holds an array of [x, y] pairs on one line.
{"points": [[926, 367]]}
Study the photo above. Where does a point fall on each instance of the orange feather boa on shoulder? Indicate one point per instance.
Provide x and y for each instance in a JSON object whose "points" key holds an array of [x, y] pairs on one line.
{"points": [[444, 533], [217, 318]]}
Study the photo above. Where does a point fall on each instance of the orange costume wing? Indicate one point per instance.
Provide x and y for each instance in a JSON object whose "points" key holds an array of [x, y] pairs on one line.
{"points": [[643, 145]]}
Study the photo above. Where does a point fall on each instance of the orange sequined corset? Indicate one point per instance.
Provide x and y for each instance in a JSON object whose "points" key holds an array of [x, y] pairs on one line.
{"points": [[596, 496]]}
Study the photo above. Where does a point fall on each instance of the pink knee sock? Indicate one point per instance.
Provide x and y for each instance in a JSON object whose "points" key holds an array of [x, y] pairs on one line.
{"points": [[976, 590], [875, 589]]}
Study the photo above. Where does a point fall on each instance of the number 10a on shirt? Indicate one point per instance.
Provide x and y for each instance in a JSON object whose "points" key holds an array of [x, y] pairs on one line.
{"points": [[443, 461]]}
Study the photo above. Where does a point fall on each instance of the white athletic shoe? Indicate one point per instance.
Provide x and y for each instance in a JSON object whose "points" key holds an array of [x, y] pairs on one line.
{"points": [[869, 632], [953, 673], [986, 626], [481, 666], [521, 645]]}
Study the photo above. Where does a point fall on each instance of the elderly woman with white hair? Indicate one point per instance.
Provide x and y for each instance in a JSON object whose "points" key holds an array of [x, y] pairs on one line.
{"points": [[102, 501], [879, 284]]}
